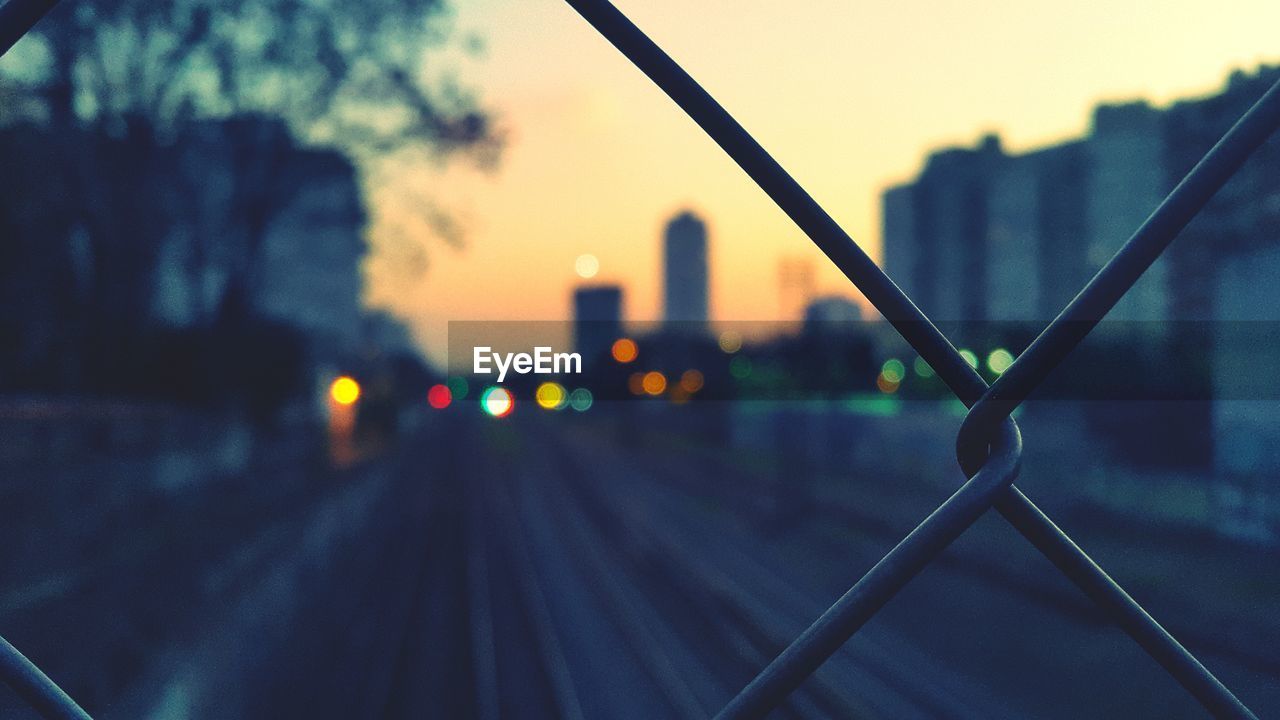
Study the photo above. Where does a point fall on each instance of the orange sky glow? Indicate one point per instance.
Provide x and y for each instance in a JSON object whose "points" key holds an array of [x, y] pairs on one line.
{"points": [[847, 96]]}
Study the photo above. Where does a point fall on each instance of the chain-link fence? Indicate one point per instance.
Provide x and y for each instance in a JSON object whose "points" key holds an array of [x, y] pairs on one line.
{"points": [[989, 443]]}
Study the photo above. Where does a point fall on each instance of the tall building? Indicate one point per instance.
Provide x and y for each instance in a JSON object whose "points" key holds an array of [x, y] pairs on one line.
{"points": [[1237, 236], [597, 320], [1035, 240], [1243, 218], [1125, 183], [685, 282], [1032, 228], [898, 230], [936, 232], [1013, 241], [984, 235]]}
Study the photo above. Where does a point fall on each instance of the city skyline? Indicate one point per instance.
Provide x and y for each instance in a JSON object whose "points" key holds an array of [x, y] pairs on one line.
{"points": [[666, 432], [982, 234], [597, 158]]}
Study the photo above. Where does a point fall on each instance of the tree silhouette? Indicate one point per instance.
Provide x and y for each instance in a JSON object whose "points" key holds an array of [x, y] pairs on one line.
{"points": [[350, 74]]}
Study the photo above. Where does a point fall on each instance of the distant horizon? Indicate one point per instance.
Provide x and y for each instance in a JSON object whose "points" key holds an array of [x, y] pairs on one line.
{"points": [[598, 160]]}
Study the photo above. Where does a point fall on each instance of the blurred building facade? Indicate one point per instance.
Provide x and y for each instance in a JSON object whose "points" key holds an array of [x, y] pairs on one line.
{"points": [[280, 223], [832, 310], [143, 265], [684, 272], [982, 234], [947, 230], [1124, 181], [312, 250], [1238, 237], [597, 320], [797, 278]]}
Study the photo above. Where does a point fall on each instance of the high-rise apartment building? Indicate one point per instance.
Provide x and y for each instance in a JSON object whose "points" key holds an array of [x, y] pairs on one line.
{"points": [[684, 272]]}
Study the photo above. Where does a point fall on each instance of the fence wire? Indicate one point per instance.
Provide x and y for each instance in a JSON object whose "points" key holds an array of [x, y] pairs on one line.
{"points": [[989, 444], [17, 17], [33, 686]]}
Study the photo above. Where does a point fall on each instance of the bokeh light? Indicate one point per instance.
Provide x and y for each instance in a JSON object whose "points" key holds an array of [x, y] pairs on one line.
{"points": [[654, 382], [587, 265], [624, 350], [581, 399], [551, 396], [344, 391], [730, 341], [692, 381], [922, 368], [635, 383], [999, 360], [893, 370], [969, 357], [887, 386], [740, 367], [439, 396], [497, 402]]}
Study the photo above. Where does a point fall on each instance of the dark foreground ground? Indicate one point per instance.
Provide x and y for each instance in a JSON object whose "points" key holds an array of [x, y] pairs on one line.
{"points": [[593, 566]]}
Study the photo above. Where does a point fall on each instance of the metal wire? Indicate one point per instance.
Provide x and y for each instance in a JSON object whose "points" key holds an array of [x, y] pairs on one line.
{"points": [[35, 687], [17, 17], [882, 582], [786, 672], [991, 470], [1115, 278]]}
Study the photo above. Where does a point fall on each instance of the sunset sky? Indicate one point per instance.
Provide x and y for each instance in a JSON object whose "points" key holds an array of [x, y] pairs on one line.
{"points": [[848, 96]]}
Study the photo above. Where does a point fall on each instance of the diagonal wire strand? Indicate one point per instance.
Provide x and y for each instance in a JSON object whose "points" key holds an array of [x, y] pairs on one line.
{"points": [[878, 586], [33, 686], [1115, 278], [898, 309], [17, 17]]}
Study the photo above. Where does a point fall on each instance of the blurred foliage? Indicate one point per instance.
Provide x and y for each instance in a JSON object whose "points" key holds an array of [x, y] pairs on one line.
{"points": [[350, 74], [369, 79]]}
